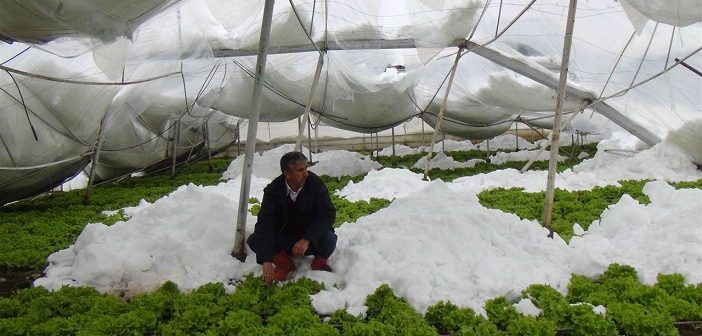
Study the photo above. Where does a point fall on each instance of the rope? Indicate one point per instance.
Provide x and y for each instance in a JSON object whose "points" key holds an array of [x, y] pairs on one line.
{"points": [[616, 64], [24, 105], [645, 53], [619, 93], [70, 81], [670, 46], [292, 5], [504, 30], [73, 158], [13, 57]]}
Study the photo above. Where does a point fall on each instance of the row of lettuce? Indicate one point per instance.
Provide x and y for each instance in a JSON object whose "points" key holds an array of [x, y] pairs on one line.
{"points": [[254, 308]]}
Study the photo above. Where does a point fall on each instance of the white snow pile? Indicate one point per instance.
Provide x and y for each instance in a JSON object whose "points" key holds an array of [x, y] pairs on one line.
{"points": [[664, 236], [334, 163], [434, 242], [338, 163], [439, 244], [506, 142], [387, 183], [185, 237], [444, 162], [400, 150], [525, 155], [447, 145], [665, 160], [265, 165]]}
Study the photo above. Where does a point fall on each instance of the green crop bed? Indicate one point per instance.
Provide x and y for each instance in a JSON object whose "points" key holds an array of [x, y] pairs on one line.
{"points": [[31, 230]]}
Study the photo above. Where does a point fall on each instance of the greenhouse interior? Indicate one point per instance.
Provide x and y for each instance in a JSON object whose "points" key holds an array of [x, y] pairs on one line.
{"points": [[496, 168]]}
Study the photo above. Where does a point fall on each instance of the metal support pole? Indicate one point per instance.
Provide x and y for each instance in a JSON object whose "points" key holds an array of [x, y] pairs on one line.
{"points": [[377, 146], [516, 135], [176, 138], [441, 111], [393, 146], [239, 251], [238, 137], [308, 106], [550, 182], [94, 162], [422, 129], [316, 139], [209, 151], [309, 138]]}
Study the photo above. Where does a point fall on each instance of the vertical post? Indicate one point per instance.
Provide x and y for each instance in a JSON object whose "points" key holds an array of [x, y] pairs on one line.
{"points": [[393, 146], [377, 146], [270, 139], [441, 111], [309, 138], [316, 139], [176, 138], [308, 106], [238, 137], [239, 251], [422, 129], [555, 134], [94, 162], [516, 134], [209, 151]]}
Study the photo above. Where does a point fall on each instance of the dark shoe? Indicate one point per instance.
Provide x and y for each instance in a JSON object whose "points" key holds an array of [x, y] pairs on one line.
{"points": [[320, 264], [283, 266]]}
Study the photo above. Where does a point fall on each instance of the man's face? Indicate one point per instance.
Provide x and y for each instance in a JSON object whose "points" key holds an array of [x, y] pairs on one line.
{"points": [[296, 174]]}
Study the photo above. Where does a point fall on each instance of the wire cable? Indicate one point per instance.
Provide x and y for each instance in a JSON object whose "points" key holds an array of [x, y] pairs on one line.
{"points": [[24, 105], [70, 81]]}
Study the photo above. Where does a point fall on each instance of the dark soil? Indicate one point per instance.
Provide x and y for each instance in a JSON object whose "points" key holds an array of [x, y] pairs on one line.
{"points": [[689, 328], [14, 281]]}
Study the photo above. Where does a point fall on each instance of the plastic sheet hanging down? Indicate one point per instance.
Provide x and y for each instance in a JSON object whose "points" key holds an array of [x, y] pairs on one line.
{"points": [[363, 87], [142, 118], [81, 23], [606, 65], [65, 117], [282, 96], [676, 13], [365, 93]]}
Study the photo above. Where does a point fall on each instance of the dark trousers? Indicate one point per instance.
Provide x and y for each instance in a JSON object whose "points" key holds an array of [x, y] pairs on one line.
{"points": [[322, 248]]}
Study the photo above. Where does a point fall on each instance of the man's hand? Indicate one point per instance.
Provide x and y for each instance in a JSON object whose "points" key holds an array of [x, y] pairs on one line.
{"points": [[268, 272], [300, 247]]}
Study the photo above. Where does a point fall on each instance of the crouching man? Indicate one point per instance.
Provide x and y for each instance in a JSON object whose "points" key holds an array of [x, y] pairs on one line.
{"points": [[296, 218]]}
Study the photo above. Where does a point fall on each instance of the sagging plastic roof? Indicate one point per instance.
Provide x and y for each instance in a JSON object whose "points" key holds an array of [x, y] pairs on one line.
{"points": [[144, 81]]}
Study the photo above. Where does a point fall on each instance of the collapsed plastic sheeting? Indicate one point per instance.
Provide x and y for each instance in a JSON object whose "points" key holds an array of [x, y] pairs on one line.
{"points": [[37, 21], [165, 74], [135, 122]]}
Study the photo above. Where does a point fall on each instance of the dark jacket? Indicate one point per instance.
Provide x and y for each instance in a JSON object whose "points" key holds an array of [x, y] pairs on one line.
{"points": [[314, 207]]}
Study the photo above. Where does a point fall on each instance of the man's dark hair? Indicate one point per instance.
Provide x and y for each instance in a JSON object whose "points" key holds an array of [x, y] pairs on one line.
{"points": [[291, 158]]}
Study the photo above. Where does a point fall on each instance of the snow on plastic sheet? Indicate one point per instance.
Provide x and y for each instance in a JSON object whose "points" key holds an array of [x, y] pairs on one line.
{"points": [[676, 13]]}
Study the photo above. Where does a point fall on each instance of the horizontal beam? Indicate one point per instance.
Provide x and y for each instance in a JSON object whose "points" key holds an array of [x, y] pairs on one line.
{"points": [[548, 79], [515, 64], [363, 44]]}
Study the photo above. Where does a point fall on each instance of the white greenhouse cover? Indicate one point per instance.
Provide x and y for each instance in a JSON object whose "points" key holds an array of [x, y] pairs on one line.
{"points": [[144, 81]]}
